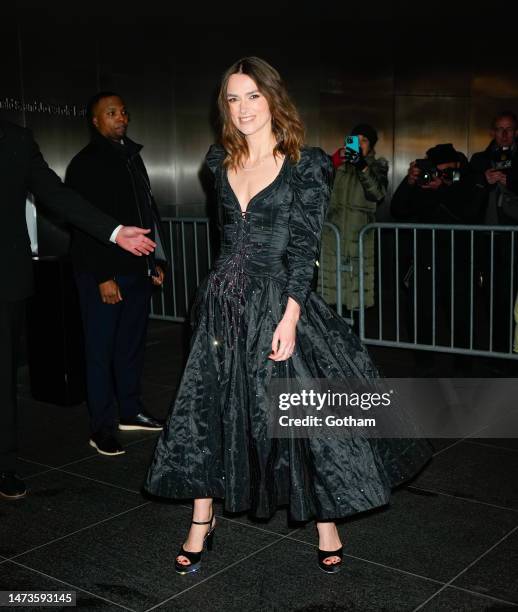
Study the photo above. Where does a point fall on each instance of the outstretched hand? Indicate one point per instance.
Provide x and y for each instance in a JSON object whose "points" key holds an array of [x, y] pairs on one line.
{"points": [[133, 239]]}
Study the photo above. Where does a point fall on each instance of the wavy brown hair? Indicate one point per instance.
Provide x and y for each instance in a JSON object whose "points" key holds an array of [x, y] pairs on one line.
{"points": [[286, 123]]}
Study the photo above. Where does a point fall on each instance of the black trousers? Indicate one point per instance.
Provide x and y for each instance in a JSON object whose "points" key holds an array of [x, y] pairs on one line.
{"points": [[430, 271], [503, 275], [11, 321], [115, 337]]}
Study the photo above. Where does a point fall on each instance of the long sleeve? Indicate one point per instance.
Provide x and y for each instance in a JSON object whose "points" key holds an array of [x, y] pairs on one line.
{"points": [[46, 185], [214, 158], [312, 179], [82, 180], [213, 161], [336, 202]]}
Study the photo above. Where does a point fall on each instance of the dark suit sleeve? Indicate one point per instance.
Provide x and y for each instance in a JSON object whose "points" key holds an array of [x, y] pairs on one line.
{"points": [[45, 184]]}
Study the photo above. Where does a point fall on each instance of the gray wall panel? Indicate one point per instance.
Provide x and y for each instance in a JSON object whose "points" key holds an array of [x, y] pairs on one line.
{"points": [[339, 113], [194, 135], [139, 66], [58, 71], [422, 122], [419, 79], [495, 72]]}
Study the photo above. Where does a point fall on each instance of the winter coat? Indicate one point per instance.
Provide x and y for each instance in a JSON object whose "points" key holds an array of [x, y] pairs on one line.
{"points": [[354, 199]]}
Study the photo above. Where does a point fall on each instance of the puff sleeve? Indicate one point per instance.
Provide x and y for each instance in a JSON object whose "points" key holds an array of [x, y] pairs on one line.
{"points": [[214, 158], [311, 181]]}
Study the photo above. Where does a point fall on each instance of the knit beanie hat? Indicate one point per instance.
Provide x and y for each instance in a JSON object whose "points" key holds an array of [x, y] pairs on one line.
{"points": [[442, 154], [366, 130]]}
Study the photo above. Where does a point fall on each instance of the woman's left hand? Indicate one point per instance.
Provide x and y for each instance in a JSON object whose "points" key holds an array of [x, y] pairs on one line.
{"points": [[283, 341]]}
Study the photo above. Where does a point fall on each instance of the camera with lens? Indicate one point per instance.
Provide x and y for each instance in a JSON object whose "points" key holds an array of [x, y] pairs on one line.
{"points": [[502, 159], [428, 171], [452, 175]]}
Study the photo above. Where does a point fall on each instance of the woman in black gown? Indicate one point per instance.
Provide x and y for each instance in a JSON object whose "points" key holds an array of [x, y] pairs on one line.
{"points": [[256, 319]]}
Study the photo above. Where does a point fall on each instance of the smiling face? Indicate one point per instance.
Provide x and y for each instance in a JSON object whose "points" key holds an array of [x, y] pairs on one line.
{"points": [[110, 117], [249, 109]]}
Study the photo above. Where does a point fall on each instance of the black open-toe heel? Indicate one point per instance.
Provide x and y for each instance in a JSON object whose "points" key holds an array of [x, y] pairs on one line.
{"points": [[331, 568], [195, 557]]}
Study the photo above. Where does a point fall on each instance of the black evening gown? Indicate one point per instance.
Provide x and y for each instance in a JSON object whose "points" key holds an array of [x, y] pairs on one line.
{"points": [[215, 441]]}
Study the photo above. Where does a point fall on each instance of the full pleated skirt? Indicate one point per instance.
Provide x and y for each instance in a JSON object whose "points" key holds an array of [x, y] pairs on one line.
{"points": [[216, 443]]}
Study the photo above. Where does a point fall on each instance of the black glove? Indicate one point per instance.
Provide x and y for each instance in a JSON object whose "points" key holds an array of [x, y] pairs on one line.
{"points": [[355, 158]]}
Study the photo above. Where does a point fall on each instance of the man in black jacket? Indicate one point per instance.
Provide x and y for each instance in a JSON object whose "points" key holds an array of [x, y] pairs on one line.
{"points": [[23, 169], [445, 197], [495, 175], [495, 172], [114, 289]]}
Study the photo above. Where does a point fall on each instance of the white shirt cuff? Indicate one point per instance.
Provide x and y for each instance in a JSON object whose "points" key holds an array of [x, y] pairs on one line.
{"points": [[114, 234]]}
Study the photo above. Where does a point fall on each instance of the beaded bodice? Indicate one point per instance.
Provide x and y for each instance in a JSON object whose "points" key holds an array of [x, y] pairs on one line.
{"points": [[279, 234]]}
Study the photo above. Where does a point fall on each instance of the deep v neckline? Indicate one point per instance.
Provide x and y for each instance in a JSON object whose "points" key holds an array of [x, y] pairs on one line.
{"points": [[259, 193]]}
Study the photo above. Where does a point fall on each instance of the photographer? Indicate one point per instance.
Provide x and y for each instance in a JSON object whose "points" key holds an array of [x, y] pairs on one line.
{"points": [[435, 190], [359, 187], [494, 173], [438, 191]]}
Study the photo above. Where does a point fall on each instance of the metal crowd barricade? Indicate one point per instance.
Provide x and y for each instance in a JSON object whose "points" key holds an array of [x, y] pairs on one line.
{"points": [[479, 265], [339, 269], [188, 245], [190, 250]]}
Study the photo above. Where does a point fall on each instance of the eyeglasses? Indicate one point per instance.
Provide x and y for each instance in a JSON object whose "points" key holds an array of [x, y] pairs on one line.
{"points": [[508, 130]]}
